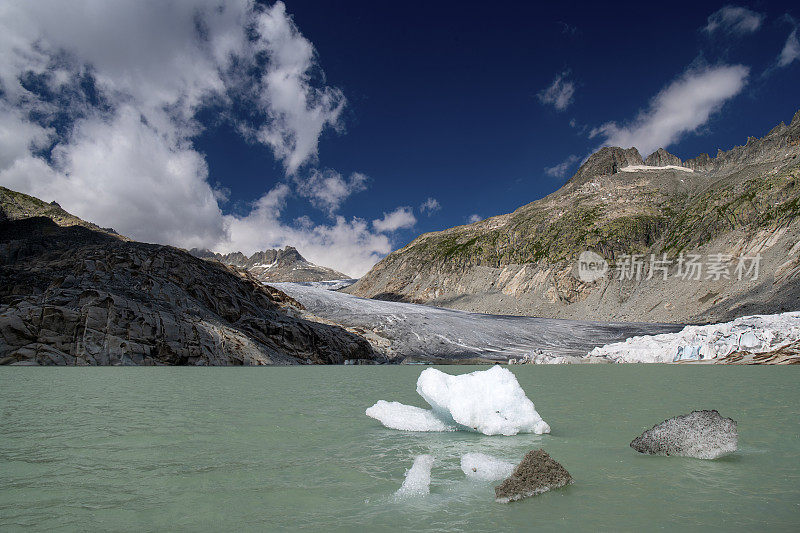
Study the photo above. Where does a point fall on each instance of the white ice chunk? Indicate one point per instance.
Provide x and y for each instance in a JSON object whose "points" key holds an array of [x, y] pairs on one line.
{"points": [[396, 415], [485, 467], [488, 401], [418, 477]]}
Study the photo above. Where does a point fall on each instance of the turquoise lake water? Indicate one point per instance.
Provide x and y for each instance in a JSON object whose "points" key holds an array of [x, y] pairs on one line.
{"points": [[255, 449]]}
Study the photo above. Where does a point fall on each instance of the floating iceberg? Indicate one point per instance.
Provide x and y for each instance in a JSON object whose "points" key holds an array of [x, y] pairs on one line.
{"points": [[485, 467], [755, 334], [396, 415], [487, 401], [418, 477]]}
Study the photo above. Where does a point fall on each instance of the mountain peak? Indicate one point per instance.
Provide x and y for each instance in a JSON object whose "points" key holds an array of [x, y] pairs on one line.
{"points": [[662, 158], [606, 161]]}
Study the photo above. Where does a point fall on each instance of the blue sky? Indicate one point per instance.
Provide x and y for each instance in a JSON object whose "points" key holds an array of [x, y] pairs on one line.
{"points": [[349, 128]]}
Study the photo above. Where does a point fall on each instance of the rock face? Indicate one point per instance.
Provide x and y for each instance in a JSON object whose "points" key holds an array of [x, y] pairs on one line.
{"points": [[275, 265], [662, 158], [73, 295], [700, 434], [537, 473], [607, 161], [745, 202]]}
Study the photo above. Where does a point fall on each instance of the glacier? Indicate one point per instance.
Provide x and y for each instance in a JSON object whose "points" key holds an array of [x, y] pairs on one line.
{"points": [[755, 334]]}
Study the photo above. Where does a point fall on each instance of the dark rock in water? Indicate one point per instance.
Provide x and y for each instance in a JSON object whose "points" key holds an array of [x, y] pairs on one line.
{"points": [[537, 473], [700, 434]]}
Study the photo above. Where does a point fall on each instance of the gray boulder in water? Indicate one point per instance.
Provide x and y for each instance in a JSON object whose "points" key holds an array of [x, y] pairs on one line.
{"points": [[537, 473], [700, 434]]}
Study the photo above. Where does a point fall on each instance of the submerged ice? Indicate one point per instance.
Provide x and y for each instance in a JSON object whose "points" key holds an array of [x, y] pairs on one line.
{"points": [[485, 467], [418, 477], [396, 415], [487, 401]]}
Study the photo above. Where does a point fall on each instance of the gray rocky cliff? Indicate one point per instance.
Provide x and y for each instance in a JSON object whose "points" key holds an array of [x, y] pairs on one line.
{"points": [[73, 295]]}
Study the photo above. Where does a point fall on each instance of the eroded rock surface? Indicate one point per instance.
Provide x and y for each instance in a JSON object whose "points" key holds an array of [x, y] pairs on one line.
{"points": [[72, 295], [537, 473], [700, 434]]}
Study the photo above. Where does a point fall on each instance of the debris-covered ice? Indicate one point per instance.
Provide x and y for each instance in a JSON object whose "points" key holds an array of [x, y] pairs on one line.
{"points": [[411, 332], [700, 434], [396, 415], [487, 401], [755, 334], [485, 467], [418, 477]]}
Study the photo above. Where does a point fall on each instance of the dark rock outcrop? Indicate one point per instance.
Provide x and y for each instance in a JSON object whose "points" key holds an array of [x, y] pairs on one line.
{"points": [[662, 158], [537, 473], [700, 434], [74, 295]]}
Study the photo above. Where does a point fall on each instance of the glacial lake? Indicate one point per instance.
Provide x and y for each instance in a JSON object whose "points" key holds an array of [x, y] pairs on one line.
{"points": [[259, 449]]}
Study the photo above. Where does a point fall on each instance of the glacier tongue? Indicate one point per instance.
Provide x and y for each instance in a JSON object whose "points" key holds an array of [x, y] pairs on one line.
{"points": [[487, 401]]}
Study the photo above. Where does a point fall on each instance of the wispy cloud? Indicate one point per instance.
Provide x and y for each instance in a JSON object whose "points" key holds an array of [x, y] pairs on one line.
{"points": [[430, 206], [734, 20], [560, 170], [560, 93], [474, 218], [402, 217], [680, 108], [791, 50]]}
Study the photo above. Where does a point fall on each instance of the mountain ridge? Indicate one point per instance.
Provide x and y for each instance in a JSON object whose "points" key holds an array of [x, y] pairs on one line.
{"points": [[745, 199], [74, 294], [274, 265]]}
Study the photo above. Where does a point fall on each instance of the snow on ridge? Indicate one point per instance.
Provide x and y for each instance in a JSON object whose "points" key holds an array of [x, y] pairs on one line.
{"points": [[755, 334], [638, 168]]}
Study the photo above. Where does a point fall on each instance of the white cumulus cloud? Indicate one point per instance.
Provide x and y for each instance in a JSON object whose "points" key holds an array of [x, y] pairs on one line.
{"points": [[98, 111], [734, 20], [681, 107], [560, 93], [402, 217], [327, 189]]}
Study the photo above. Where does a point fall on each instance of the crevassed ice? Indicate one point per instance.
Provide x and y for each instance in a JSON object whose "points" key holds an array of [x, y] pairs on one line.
{"points": [[487, 401], [396, 415], [485, 467], [756, 334], [418, 477]]}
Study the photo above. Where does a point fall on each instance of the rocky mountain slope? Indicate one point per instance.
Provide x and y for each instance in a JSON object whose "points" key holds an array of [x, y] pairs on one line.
{"points": [[275, 265], [72, 294], [741, 203]]}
